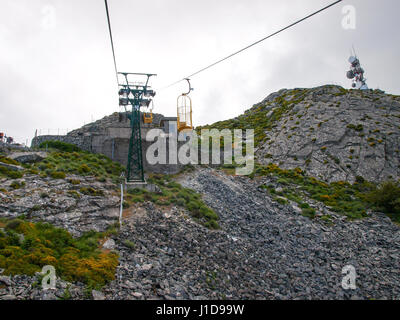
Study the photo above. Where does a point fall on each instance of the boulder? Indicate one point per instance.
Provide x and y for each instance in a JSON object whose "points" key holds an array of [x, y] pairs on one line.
{"points": [[5, 280], [109, 244], [28, 157]]}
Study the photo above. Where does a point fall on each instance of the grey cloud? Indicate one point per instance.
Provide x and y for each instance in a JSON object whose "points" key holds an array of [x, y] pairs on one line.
{"points": [[61, 77]]}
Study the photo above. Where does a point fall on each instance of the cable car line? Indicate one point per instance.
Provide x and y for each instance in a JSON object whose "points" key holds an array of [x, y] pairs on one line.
{"points": [[251, 45], [112, 41], [134, 95]]}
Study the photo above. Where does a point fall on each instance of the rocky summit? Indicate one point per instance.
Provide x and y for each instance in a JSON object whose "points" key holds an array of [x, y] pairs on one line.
{"points": [[336, 134], [332, 133], [323, 198]]}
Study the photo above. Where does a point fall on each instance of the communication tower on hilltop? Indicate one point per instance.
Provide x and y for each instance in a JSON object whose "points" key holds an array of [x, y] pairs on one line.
{"points": [[356, 73]]}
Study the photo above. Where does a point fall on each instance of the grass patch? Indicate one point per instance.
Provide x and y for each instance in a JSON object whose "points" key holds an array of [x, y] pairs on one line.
{"points": [[358, 127], [256, 118], [58, 175], [89, 191], [78, 163], [59, 145], [9, 161], [351, 200], [17, 185], [129, 244], [12, 174], [173, 193], [74, 194], [386, 198], [309, 213]]}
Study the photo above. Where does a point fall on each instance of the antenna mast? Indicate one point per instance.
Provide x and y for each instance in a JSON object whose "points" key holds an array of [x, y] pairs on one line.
{"points": [[356, 73]]}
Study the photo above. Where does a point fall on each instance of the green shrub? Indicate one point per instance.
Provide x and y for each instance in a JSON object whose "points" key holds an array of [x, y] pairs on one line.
{"points": [[74, 182], [91, 191], [137, 191], [81, 163], [44, 195], [33, 171], [17, 185], [58, 175], [74, 194], [327, 219], [309, 213], [358, 127], [13, 224], [9, 161], [212, 224], [387, 198], [59, 145], [281, 200], [15, 174], [179, 201], [84, 168], [304, 205], [10, 173], [36, 207], [75, 259], [129, 244]]}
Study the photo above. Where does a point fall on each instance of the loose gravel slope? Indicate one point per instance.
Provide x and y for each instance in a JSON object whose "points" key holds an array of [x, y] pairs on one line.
{"points": [[264, 251]]}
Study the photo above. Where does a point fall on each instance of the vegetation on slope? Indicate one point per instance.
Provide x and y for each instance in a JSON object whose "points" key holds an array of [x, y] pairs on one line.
{"points": [[257, 119], [60, 146], [26, 247], [173, 193], [351, 200], [63, 159], [8, 173]]}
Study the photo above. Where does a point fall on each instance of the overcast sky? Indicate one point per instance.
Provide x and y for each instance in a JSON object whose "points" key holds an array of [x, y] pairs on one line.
{"points": [[57, 70]]}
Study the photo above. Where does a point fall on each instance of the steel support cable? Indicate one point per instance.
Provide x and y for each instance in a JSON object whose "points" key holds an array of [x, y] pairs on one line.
{"points": [[253, 44], [112, 41]]}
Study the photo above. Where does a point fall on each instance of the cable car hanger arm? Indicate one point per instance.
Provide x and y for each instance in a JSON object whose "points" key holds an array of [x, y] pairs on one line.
{"points": [[190, 87]]}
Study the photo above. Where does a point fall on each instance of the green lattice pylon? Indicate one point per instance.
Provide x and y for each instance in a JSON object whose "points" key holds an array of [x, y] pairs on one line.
{"points": [[134, 95]]}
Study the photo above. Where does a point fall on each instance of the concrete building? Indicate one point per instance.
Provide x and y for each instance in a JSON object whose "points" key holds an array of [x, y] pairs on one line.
{"points": [[110, 136]]}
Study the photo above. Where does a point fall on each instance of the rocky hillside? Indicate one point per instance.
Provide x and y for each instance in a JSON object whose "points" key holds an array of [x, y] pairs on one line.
{"points": [[332, 133], [264, 248], [284, 232]]}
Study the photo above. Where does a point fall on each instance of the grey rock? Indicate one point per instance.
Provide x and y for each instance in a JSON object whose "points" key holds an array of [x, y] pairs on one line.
{"points": [[8, 297], [335, 134], [146, 267], [97, 295], [28, 157], [5, 280], [109, 244], [137, 295]]}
